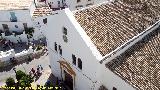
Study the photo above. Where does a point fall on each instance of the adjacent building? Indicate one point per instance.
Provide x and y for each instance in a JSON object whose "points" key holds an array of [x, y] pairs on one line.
{"points": [[71, 4], [109, 46], [15, 15]]}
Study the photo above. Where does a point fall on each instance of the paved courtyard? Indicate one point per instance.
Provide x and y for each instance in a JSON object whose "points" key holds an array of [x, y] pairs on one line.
{"points": [[26, 67]]}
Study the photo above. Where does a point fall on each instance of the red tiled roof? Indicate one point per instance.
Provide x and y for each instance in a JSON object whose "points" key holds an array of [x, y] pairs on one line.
{"points": [[14, 4], [111, 25], [140, 64]]}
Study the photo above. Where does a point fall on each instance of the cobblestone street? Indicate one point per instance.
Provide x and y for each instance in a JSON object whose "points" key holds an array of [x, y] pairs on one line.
{"points": [[26, 67]]}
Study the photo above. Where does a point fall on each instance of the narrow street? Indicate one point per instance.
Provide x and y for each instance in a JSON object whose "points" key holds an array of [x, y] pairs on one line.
{"points": [[26, 67]]}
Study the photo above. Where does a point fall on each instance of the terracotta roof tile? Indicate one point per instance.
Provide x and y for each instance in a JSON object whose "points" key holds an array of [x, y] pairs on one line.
{"points": [[140, 64], [14, 4], [111, 25]]}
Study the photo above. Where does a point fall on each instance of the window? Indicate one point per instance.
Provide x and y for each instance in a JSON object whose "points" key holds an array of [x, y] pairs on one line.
{"points": [[65, 34], [65, 38], [13, 17], [74, 59], [79, 63], [58, 3], [25, 25], [114, 88], [45, 20], [64, 31], [89, 0], [16, 26], [5, 27], [79, 6], [78, 1], [55, 46], [60, 50]]}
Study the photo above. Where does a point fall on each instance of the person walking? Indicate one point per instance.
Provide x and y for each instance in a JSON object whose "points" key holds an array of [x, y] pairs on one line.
{"points": [[38, 72], [33, 70], [41, 67]]}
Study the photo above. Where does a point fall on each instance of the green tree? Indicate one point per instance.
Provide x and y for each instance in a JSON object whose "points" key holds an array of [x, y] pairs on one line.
{"points": [[10, 82], [26, 81], [19, 74]]}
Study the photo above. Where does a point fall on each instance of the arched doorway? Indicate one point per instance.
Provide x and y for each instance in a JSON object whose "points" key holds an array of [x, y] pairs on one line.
{"points": [[68, 80], [67, 74]]}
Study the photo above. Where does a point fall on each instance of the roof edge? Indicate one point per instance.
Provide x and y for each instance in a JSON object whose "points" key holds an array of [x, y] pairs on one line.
{"points": [[83, 34], [129, 43]]}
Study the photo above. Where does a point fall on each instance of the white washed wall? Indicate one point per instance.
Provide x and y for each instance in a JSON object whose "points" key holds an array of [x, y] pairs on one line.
{"points": [[80, 45], [76, 45], [14, 39], [23, 16], [5, 56], [32, 8], [11, 26], [110, 80]]}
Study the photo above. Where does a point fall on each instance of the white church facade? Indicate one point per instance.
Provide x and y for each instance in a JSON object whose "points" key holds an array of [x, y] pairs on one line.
{"points": [[109, 46]]}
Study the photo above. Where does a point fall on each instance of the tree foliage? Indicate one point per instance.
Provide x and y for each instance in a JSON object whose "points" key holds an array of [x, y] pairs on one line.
{"points": [[26, 81], [19, 74], [23, 79], [10, 82]]}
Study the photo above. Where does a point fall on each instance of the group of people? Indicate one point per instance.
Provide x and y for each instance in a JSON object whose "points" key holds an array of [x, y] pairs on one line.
{"points": [[36, 73]]}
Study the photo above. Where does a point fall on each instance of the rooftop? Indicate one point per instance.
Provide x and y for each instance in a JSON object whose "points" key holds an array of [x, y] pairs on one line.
{"points": [[14, 4], [112, 24], [42, 11], [140, 64]]}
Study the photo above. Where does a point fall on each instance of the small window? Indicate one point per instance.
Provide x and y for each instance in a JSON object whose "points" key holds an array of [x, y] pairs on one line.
{"points": [[74, 59], [114, 88], [13, 17], [60, 50], [45, 20], [58, 3], [80, 63], [64, 31], [16, 26], [78, 1], [89, 0], [55, 46], [65, 38]]}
